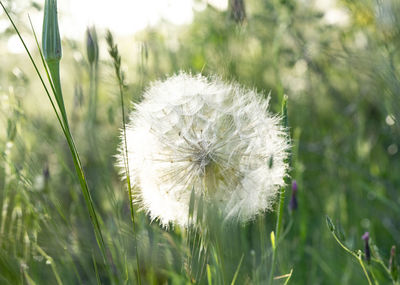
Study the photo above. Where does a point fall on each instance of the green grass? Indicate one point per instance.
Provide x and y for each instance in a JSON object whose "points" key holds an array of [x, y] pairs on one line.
{"points": [[67, 218]]}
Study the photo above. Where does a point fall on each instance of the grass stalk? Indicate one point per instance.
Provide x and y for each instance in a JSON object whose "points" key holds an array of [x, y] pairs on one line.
{"points": [[92, 49], [221, 259], [281, 205], [93, 73], [96, 270], [358, 255], [113, 51], [237, 270], [49, 260], [54, 69]]}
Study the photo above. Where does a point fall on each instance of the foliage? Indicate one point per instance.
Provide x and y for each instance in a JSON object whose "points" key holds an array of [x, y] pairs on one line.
{"points": [[342, 82]]}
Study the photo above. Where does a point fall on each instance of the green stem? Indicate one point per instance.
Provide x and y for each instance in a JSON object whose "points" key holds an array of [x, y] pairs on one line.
{"points": [[221, 259], [278, 229], [54, 69], [359, 257], [128, 180], [372, 274], [373, 259], [281, 206], [92, 110], [50, 261]]}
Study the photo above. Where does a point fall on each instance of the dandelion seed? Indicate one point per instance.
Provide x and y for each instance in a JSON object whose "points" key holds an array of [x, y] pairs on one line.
{"points": [[191, 133]]}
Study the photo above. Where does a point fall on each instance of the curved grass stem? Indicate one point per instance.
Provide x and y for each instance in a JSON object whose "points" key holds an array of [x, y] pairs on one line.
{"points": [[357, 256]]}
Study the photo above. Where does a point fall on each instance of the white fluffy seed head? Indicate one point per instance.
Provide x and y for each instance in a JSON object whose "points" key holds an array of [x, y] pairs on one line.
{"points": [[192, 133]]}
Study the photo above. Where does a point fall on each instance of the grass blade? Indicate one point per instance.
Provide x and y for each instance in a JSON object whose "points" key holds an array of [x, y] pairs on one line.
{"points": [[237, 270]]}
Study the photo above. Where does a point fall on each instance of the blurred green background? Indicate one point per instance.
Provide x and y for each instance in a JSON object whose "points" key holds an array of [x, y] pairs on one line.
{"points": [[342, 81]]}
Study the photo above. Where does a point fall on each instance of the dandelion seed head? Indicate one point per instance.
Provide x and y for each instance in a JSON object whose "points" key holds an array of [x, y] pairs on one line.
{"points": [[192, 132]]}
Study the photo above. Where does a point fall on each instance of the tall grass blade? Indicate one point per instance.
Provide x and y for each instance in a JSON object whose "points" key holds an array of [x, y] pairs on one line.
{"points": [[77, 163], [288, 278], [49, 260], [237, 270], [64, 126], [96, 270]]}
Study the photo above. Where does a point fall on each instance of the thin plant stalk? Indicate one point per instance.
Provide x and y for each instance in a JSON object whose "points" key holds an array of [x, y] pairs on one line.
{"points": [[92, 109], [92, 49], [359, 256], [113, 50], [237, 270], [221, 260], [93, 72], [54, 69], [96, 270], [49, 260], [281, 204]]}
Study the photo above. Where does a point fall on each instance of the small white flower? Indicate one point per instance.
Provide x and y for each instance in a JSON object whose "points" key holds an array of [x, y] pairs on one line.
{"points": [[190, 132]]}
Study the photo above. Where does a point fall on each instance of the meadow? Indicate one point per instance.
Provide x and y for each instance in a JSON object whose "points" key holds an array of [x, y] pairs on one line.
{"points": [[67, 215]]}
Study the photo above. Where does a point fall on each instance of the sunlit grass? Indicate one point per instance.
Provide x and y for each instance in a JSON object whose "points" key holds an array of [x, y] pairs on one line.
{"points": [[67, 218]]}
